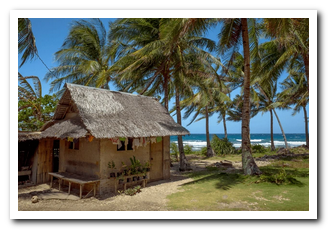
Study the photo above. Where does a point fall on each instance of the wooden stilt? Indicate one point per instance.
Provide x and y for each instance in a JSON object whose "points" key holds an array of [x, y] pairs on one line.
{"points": [[69, 188], [51, 179], [81, 186]]}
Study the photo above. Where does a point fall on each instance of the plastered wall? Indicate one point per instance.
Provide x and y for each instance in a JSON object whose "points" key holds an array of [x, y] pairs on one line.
{"points": [[84, 161]]}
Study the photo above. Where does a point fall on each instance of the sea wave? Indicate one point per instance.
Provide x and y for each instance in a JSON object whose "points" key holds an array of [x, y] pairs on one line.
{"points": [[197, 145], [252, 140], [282, 143]]}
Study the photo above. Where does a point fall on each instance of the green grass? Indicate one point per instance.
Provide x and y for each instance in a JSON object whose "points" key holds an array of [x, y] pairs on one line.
{"points": [[213, 190]]}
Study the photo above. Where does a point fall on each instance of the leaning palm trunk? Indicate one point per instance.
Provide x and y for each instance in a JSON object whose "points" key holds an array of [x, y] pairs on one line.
{"points": [[282, 130], [183, 160], [306, 127], [210, 152], [248, 162], [271, 129], [225, 126]]}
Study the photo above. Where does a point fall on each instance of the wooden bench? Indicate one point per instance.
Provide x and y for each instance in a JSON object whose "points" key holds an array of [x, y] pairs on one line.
{"points": [[75, 178]]}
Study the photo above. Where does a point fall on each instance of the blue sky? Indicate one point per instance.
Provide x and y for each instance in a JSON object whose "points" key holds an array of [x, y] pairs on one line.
{"points": [[51, 33]]}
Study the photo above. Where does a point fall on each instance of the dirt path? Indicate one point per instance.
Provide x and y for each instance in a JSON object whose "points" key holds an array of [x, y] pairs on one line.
{"points": [[152, 198]]}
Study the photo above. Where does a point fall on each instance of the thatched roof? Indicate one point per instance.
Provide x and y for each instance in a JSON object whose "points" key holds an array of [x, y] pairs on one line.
{"points": [[26, 136], [107, 114]]}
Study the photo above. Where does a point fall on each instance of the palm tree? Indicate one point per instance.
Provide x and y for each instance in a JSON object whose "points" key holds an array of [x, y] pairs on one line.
{"points": [[26, 40], [267, 96], [202, 104], [233, 33], [295, 92], [223, 108], [85, 57], [32, 96], [291, 37]]}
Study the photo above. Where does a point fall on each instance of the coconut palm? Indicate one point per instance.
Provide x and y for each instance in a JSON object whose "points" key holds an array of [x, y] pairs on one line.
{"points": [[295, 92], [85, 57], [222, 109], [29, 94], [26, 40], [33, 108], [293, 35], [202, 103], [289, 44], [235, 32], [267, 97]]}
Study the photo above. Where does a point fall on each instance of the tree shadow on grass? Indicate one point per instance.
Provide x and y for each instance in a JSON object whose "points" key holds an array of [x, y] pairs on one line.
{"points": [[224, 181], [269, 170], [283, 175]]}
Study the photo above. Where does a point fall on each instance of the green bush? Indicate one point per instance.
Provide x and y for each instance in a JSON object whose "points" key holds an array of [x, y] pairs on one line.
{"points": [[258, 148], [222, 146], [203, 151], [187, 149], [174, 150], [278, 178]]}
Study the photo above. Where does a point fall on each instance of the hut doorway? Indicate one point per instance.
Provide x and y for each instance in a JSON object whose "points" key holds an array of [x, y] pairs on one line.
{"points": [[26, 153], [55, 156], [156, 162]]}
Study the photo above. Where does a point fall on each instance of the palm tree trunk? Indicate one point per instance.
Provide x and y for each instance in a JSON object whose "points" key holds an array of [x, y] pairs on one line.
{"points": [[225, 126], [166, 90], [210, 152], [271, 129], [282, 130], [306, 127], [248, 163], [183, 160]]}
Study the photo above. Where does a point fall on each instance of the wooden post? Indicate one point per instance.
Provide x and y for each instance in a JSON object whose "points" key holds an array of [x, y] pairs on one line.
{"points": [[81, 186], [51, 178], [69, 188], [94, 188], [59, 181]]}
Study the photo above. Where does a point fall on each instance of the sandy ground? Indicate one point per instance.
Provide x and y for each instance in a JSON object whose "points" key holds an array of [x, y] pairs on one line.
{"points": [[151, 198]]}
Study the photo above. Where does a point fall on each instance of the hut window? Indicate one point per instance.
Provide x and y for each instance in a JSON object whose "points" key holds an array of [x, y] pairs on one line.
{"points": [[122, 147], [130, 144], [129, 147], [74, 145]]}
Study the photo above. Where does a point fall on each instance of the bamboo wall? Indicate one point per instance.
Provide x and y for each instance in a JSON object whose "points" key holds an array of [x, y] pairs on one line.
{"points": [[43, 159]]}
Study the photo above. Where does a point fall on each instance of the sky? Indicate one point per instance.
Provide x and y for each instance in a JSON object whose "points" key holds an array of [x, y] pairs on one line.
{"points": [[50, 34]]}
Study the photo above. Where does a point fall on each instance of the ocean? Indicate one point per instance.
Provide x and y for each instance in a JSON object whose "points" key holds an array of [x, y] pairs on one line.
{"points": [[197, 141]]}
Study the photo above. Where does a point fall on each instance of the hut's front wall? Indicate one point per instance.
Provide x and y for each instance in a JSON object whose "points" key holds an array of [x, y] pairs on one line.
{"points": [[108, 153], [84, 161]]}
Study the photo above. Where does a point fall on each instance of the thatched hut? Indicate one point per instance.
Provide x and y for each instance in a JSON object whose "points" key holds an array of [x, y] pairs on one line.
{"points": [[92, 127]]}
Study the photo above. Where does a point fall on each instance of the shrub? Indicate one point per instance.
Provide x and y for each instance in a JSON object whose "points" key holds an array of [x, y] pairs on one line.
{"points": [[174, 151], [187, 149], [258, 148], [203, 151], [279, 178], [222, 146]]}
